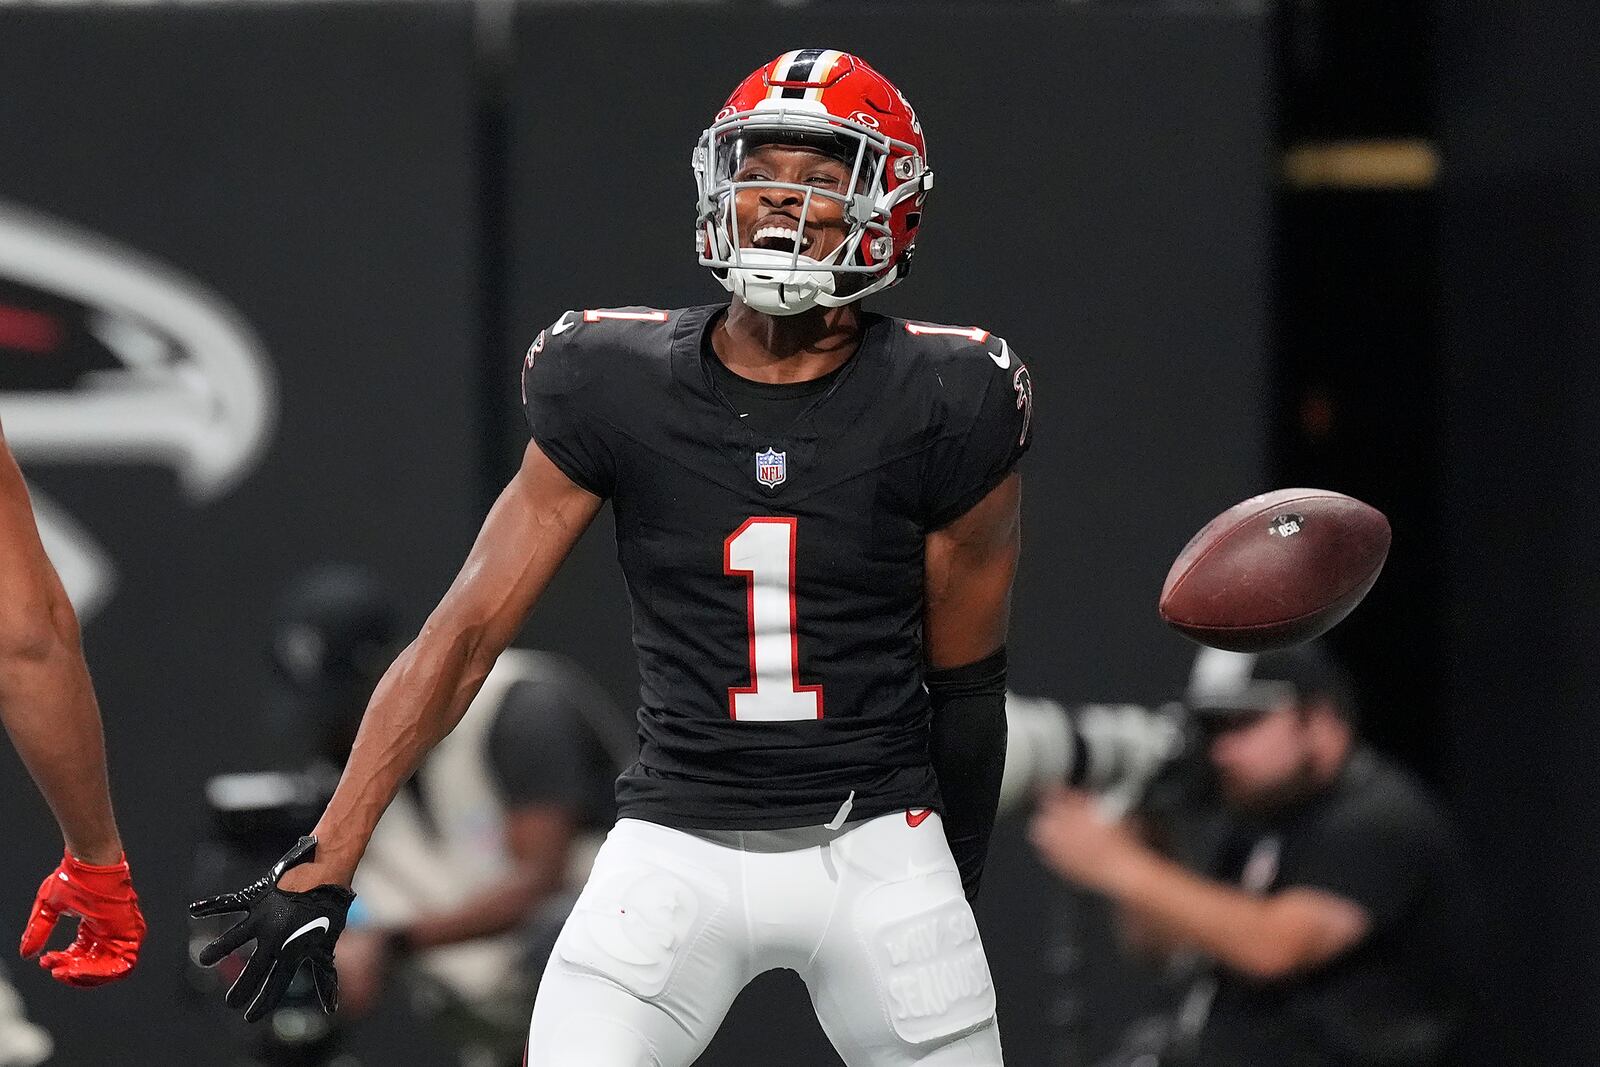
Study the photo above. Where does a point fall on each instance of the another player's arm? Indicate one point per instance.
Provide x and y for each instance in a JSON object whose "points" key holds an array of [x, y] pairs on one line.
{"points": [[46, 698], [422, 696], [970, 565], [47, 704]]}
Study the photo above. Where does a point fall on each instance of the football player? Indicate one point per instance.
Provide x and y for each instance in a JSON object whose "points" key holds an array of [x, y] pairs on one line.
{"points": [[818, 517], [48, 706]]}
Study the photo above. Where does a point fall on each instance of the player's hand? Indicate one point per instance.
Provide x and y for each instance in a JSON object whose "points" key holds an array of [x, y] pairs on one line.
{"points": [[110, 926], [288, 928]]}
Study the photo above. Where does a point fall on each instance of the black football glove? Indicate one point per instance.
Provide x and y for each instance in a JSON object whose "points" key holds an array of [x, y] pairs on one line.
{"points": [[288, 928]]}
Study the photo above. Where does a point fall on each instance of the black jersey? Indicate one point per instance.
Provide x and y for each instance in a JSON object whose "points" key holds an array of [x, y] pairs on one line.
{"points": [[776, 577]]}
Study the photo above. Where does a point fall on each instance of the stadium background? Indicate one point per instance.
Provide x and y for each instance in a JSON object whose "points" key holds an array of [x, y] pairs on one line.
{"points": [[1239, 245]]}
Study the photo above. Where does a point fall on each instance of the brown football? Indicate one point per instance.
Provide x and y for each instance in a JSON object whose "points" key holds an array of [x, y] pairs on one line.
{"points": [[1275, 570]]}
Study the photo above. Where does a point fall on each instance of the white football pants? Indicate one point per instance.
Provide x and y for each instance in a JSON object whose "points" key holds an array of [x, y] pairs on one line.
{"points": [[673, 924]]}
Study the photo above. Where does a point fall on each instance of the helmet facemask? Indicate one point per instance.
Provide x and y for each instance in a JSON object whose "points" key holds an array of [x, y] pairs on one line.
{"points": [[790, 282]]}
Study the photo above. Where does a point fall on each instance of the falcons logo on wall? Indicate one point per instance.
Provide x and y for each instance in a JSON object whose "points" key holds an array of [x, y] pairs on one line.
{"points": [[109, 357]]}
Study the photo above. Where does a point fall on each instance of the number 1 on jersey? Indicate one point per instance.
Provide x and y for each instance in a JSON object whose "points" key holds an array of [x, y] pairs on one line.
{"points": [[763, 550]]}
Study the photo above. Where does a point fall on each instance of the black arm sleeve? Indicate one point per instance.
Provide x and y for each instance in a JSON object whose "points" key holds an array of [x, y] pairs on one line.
{"points": [[968, 748]]}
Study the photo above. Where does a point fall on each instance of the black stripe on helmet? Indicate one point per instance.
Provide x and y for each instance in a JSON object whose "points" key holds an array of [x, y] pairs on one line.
{"points": [[800, 71]]}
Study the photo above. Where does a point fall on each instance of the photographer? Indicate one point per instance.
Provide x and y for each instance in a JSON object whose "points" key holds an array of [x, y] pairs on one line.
{"points": [[1328, 914]]}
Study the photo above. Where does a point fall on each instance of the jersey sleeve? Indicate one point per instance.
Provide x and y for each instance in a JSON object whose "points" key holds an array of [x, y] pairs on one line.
{"points": [[561, 398], [986, 431]]}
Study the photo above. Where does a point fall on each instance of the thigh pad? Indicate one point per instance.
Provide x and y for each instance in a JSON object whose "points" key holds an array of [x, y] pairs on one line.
{"points": [[633, 924], [928, 962]]}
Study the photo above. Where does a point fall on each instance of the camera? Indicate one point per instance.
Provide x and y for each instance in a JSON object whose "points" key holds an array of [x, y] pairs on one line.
{"points": [[1120, 751]]}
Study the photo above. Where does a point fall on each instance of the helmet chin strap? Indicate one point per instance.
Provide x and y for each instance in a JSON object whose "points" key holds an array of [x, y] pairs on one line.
{"points": [[777, 283], [889, 277]]}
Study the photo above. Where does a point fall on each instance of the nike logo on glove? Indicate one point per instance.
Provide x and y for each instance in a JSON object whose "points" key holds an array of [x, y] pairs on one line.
{"points": [[562, 325], [914, 818], [1003, 360], [314, 924]]}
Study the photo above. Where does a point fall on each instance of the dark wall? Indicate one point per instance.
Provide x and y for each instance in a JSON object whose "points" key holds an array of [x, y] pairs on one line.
{"points": [[1520, 239], [1101, 202], [311, 166], [1356, 277]]}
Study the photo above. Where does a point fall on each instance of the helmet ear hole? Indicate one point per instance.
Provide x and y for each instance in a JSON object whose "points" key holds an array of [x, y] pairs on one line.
{"points": [[913, 219]]}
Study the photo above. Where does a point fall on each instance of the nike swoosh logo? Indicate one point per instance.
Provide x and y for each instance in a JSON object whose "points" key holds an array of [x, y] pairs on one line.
{"points": [[914, 818], [562, 325], [314, 924], [1003, 360]]}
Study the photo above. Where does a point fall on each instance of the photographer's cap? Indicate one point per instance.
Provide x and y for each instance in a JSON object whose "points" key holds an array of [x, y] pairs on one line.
{"points": [[1236, 683]]}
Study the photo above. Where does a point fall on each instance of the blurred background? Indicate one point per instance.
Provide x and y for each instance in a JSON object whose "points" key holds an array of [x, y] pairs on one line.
{"points": [[267, 271]]}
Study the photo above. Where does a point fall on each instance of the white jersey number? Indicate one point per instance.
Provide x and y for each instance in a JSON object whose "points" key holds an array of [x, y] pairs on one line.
{"points": [[763, 550]]}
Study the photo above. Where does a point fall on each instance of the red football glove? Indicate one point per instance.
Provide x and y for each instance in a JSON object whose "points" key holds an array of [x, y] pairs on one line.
{"points": [[110, 927]]}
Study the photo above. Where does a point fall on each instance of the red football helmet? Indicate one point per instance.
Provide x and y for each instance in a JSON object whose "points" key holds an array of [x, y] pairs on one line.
{"points": [[816, 96]]}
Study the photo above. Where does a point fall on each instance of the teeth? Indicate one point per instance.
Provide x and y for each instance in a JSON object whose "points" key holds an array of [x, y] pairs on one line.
{"points": [[782, 233]]}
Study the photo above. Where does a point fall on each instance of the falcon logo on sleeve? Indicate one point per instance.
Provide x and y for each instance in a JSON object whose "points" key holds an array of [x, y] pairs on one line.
{"points": [[1022, 382]]}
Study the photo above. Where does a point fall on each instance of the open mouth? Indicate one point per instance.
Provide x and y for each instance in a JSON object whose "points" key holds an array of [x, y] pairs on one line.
{"points": [[779, 239]]}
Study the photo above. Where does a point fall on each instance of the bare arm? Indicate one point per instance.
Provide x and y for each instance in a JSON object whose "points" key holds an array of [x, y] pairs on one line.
{"points": [[1295, 929], [1266, 937], [970, 565], [422, 696], [46, 699], [968, 570]]}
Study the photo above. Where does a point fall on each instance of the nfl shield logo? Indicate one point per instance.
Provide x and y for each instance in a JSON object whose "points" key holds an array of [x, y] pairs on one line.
{"points": [[770, 468]]}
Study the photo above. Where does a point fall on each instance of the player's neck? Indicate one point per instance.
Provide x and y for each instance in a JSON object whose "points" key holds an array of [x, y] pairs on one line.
{"points": [[786, 348]]}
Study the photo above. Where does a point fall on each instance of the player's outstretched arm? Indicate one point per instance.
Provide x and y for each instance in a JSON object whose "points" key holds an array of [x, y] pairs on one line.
{"points": [[424, 693], [970, 565], [48, 706], [296, 911]]}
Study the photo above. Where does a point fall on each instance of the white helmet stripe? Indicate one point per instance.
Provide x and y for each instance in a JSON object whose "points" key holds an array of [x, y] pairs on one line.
{"points": [[780, 72], [821, 70]]}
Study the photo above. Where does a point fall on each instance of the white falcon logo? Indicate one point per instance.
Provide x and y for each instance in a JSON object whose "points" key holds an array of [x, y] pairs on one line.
{"points": [[191, 388]]}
